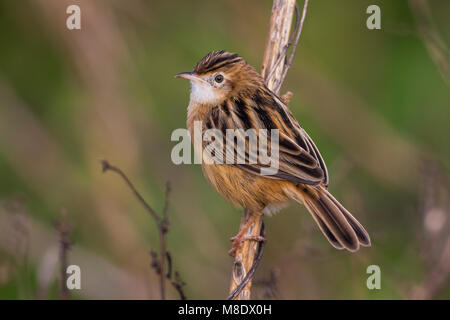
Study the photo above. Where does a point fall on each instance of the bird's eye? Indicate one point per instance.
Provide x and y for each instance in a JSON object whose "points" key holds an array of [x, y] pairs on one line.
{"points": [[218, 78]]}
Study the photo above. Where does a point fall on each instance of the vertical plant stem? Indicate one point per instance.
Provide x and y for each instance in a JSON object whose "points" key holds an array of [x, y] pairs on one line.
{"points": [[272, 71]]}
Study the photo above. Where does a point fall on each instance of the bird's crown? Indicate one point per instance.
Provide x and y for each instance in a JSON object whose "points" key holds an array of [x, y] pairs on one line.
{"points": [[217, 60]]}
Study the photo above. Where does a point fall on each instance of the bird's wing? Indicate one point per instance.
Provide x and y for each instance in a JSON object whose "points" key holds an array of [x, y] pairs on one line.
{"points": [[299, 159]]}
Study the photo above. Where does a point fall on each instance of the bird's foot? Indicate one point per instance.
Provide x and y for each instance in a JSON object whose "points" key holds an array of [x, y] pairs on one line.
{"points": [[239, 239]]}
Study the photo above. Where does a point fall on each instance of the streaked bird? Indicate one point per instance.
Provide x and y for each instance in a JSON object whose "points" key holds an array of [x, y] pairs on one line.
{"points": [[228, 93]]}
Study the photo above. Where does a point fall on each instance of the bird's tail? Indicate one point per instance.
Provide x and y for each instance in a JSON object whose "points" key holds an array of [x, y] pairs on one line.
{"points": [[337, 224]]}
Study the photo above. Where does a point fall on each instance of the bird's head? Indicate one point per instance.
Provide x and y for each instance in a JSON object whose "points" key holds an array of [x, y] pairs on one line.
{"points": [[220, 75]]}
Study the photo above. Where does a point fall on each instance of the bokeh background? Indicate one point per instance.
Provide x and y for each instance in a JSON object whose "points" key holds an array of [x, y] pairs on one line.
{"points": [[377, 103]]}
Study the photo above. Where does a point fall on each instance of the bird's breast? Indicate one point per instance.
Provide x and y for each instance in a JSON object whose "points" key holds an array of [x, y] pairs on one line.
{"points": [[240, 187], [246, 189]]}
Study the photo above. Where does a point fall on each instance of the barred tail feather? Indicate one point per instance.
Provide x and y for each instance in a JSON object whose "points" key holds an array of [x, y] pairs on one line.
{"points": [[341, 229]]}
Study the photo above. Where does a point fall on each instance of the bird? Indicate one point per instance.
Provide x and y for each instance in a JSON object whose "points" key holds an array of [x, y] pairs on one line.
{"points": [[227, 93]]}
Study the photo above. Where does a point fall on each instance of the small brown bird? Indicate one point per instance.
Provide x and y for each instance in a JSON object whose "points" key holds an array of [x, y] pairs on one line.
{"points": [[228, 93]]}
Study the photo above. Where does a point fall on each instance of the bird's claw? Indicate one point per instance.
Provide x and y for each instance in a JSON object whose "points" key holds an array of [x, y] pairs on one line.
{"points": [[238, 240]]}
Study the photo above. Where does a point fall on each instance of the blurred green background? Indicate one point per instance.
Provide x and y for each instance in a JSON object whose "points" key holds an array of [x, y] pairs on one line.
{"points": [[376, 102]]}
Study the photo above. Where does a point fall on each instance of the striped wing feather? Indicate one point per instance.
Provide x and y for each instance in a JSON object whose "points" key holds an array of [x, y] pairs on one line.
{"points": [[299, 158]]}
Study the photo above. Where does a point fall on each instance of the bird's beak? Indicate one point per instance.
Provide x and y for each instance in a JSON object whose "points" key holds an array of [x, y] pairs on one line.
{"points": [[189, 75]]}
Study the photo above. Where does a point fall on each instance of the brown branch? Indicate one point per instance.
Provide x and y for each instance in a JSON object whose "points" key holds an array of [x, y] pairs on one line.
{"points": [[158, 263], [284, 68], [163, 229], [294, 48], [176, 282], [283, 53], [248, 257], [106, 166], [277, 40], [244, 281]]}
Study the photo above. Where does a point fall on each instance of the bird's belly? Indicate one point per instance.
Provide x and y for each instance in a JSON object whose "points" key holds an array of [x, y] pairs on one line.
{"points": [[245, 189]]}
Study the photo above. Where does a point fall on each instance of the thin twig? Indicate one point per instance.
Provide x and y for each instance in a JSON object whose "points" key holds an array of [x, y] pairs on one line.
{"points": [[106, 166], [294, 48], [278, 38], [166, 205], [164, 228], [283, 53], [176, 282], [297, 32], [169, 265], [158, 263]]}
